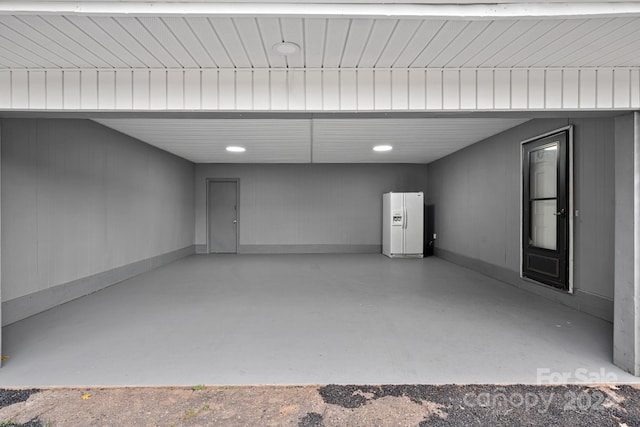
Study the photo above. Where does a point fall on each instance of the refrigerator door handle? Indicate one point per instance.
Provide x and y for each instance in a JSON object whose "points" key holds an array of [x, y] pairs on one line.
{"points": [[406, 218]]}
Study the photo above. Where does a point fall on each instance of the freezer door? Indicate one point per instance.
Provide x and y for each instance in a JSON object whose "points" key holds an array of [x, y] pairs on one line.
{"points": [[413, 223], [395, 224]]}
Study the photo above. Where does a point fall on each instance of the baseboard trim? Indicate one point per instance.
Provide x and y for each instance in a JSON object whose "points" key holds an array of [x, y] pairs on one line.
{"points": [[586, 302], [301, 249], [29, 305], [310, 249]]}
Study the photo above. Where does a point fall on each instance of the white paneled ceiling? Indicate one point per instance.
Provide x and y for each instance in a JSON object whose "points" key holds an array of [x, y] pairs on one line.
{"points": [[204, 141], [78, 41], [414, 140]]}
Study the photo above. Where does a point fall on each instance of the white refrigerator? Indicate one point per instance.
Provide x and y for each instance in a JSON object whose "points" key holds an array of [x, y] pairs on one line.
{"points": [[403, 224]]}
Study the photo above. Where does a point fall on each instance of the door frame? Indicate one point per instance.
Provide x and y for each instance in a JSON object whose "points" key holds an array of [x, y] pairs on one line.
{"points": [[570, 211], [208, 226]]}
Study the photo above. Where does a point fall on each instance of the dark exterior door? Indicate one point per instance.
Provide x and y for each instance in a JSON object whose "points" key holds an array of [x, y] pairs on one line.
{"points": [[545, 209]]}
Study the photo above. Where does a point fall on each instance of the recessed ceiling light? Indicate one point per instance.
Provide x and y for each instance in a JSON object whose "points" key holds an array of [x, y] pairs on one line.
{"points": [[285, 48], [382, 148], [236, 149]]}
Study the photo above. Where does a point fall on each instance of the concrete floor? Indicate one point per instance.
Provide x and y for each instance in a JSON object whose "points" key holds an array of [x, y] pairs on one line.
{"points": [[305, 319]]}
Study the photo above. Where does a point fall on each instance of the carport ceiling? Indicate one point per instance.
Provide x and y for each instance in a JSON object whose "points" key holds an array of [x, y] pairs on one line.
{"points": [[102, 41], [156, 36], [414, 140]]}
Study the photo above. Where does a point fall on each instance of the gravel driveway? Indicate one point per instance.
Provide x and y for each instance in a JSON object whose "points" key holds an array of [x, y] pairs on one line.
{"points": [[330, 405]]}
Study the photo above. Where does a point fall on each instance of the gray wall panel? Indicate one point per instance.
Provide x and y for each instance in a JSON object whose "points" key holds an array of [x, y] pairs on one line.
{"points": [[626, 326], [595, 198], [79, 199], [309, 204], [476, 193]]}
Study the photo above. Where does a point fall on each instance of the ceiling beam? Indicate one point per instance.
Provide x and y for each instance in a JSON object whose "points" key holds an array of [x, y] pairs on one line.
{"points": [[364, 10]]}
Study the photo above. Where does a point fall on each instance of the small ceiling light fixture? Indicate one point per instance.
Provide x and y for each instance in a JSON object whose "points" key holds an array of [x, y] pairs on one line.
{"points": [[285, 48], [382, 148], [234, 149]]}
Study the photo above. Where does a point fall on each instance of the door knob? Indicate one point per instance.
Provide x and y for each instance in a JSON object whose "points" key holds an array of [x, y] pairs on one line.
{"points": [[561, 213], [235, 221]]}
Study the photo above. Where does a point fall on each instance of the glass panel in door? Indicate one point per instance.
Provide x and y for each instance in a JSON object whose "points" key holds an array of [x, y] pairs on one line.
{"points": [[543, 181], [543, 167], [544, 224]]}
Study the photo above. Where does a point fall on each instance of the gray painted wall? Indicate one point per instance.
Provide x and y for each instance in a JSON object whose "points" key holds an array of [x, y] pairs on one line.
{"points": [[476, 193], [626, 331], [306, 205], [79, 199]]}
